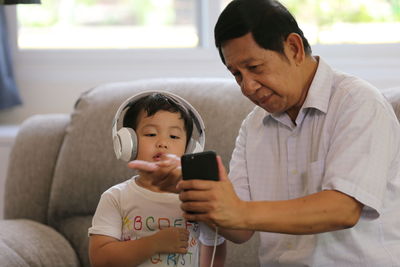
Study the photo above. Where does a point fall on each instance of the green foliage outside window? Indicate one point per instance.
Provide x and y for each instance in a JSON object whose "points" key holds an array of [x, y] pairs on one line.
{"points": [[143, 12], [96, 12], [328, 12]]}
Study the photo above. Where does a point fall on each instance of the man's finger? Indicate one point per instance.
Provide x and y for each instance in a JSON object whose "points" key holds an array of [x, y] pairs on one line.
{"points": [[171, 157], [143, 165], [196, 196], [197, 207], [196, 184], [223, 176], [197, 217]]}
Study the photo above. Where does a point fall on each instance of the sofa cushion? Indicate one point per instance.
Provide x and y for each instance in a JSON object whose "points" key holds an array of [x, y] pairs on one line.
{"points": [[9, 257], [75, 231], [28, 243], [31, 168], [393, 96], [87, 166]]}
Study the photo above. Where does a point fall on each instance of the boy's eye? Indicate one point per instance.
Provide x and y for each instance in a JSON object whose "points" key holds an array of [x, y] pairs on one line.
{"points": [[174, 137], [150, 134]]}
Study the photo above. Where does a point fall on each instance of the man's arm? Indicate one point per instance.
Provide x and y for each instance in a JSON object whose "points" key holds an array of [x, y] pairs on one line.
{"points": [[108, 251], [324, 211], [215, 202]]}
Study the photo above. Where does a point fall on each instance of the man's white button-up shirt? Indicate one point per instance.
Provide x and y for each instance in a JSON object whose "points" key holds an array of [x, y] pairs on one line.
{"points": [[347, 138]]}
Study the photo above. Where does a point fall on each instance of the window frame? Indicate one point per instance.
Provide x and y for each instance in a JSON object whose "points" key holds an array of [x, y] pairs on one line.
{"points": [[369, 61]]}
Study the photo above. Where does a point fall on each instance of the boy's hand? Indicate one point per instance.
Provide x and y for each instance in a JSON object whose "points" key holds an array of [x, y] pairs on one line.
{"points": [[166, 173], [172, 240]]}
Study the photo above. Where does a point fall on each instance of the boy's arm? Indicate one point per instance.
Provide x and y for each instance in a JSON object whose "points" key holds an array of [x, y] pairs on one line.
{"points": [[206, 255], [108, 251]]}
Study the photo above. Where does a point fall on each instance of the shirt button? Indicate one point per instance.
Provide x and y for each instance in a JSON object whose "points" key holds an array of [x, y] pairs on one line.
{"points": [[294, 172], [289, 245]]}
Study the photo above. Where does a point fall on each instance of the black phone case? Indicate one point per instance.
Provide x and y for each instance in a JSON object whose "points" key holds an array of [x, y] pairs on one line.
{"points": [[201, 165]]}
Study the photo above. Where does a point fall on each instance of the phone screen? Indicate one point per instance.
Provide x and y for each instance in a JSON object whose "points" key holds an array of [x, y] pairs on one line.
{"points": [[201, 165]]}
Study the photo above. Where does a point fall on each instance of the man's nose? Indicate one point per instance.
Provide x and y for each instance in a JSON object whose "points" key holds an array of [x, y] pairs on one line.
{"points": [[249, 85]]}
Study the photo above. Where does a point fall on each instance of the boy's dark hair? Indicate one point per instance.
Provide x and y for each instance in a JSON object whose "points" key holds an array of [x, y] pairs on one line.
{"points": [[153, 103], [268, 20]]}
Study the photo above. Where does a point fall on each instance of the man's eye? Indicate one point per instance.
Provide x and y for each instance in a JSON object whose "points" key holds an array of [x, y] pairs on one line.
{"points": [[254, 67], [237, 76]]}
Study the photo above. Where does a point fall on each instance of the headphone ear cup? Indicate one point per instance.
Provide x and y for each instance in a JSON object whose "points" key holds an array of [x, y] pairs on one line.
{"points": [[197, 148], [117, 146], [193, 147], [128, 144]]}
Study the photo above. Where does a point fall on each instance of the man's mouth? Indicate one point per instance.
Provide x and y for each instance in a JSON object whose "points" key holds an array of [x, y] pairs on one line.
{"points": [[264, 99]]}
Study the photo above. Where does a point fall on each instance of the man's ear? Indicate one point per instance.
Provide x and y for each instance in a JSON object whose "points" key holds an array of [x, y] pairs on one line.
{"points": [[295, 48]]}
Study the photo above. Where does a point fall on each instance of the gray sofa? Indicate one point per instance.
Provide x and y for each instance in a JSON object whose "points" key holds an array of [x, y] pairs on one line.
{"points": [[61, 163]]}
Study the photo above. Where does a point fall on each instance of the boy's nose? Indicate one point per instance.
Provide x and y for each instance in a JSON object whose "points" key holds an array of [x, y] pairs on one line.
{"points": [[162, 144]]}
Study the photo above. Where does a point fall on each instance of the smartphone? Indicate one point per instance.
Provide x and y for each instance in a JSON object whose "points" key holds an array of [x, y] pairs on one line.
{"points": [[202, 165]]}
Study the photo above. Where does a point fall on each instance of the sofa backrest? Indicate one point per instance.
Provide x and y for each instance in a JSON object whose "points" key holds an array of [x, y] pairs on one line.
{"points": [[393, 97], [86, 165]]}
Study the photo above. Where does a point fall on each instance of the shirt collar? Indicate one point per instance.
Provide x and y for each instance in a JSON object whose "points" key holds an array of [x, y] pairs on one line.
{"points": [[320, 90]]}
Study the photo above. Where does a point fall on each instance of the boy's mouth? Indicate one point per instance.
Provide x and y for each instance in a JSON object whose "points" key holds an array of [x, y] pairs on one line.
{"points": [[157, 157]]}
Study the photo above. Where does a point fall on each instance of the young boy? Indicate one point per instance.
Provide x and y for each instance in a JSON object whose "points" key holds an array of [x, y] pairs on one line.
{"points": [[137, 223]]}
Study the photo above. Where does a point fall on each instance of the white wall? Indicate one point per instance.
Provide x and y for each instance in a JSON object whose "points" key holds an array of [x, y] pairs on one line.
{"points": [[51, 82]]}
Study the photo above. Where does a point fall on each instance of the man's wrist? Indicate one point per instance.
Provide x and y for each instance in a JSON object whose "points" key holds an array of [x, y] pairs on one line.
{"points": [[244, 214]]}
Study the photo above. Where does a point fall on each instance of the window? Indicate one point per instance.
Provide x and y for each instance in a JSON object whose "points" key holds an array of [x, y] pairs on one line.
{"points": [[52, 64], [113, 45], [69, 24]]}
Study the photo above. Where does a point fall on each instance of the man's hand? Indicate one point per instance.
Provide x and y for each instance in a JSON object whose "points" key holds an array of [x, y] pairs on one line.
{"points": [[166, 173], [215, 202]]}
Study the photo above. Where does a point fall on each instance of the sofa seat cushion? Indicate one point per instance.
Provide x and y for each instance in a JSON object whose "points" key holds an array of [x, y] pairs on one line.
{"points": [[393, 96], [28, 243], [75, 229]]}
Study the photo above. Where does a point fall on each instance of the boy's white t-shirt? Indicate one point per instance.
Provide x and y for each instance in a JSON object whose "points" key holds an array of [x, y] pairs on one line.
{"points": [[127, 211]]}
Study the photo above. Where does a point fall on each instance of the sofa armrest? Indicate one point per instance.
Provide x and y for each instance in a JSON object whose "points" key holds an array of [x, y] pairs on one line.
{"points": [[31, 166], [28, 243]]}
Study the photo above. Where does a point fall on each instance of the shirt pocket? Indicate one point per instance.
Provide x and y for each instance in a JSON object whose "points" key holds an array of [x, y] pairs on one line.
{"points": [[314, 176]]}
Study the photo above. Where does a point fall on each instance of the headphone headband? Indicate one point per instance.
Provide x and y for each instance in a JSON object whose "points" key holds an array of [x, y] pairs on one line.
{"points": [[119, 144]]}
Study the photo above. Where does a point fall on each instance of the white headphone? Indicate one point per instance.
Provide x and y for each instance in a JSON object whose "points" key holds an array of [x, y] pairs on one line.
{"points": [[125, 139]]}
